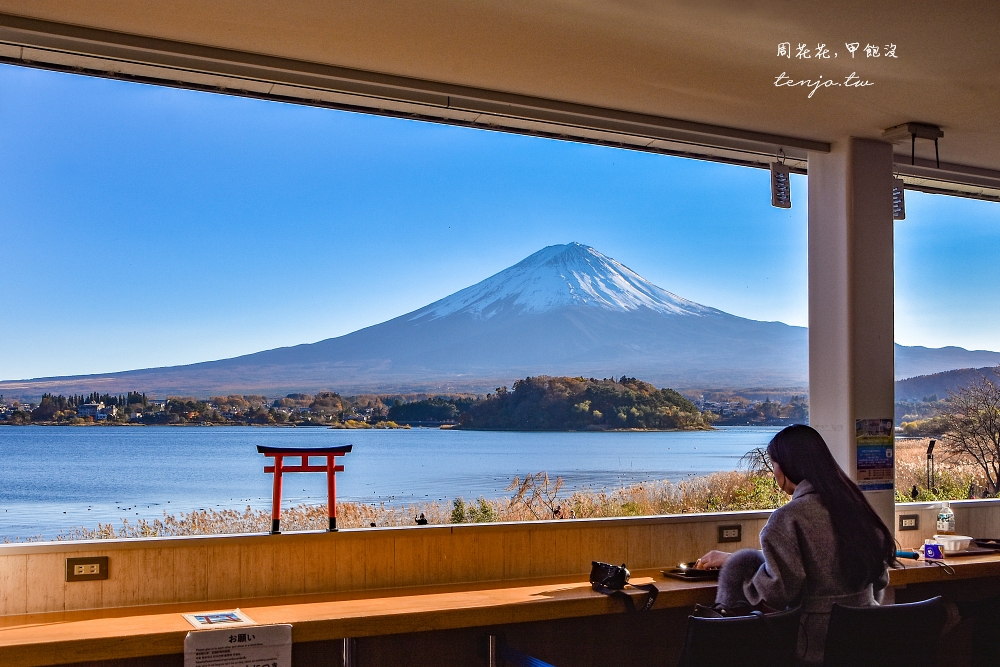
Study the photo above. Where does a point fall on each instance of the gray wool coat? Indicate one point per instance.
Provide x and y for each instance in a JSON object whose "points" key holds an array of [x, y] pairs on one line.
{"points": [[801, 567]]}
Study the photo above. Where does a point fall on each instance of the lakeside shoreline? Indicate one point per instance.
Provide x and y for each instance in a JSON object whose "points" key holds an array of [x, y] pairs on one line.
{"points": [[401, 427], [444, 427]]}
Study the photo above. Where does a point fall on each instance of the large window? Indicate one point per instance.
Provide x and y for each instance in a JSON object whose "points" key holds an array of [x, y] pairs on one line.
{"points": [[945, 279], [505, 327]]}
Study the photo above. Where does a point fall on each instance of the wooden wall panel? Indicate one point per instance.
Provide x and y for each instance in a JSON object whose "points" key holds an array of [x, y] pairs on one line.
{"points": [[541, 552], [190, 573], [380, 560], [84, 595], [46, 590], [320, 567], [417, 559], [570, 550], [605, 542], [13, 584], [256, 566], [288, 568], [476, 554], [975, 518], [155, 577], [639, 546], [223, 563], [980, 522], [160, 571], [350, 563], [516, 554], [124, 582]]}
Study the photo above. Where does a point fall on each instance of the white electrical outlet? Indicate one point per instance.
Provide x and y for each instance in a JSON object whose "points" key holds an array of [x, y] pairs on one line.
{"points": [[733, 533], [87, 569]]}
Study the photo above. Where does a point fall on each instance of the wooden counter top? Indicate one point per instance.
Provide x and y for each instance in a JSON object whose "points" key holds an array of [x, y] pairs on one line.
{"points": [[964, 567], [60, 638]]}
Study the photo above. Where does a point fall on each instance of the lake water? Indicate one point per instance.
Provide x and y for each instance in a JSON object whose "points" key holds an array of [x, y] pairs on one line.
{"points": [[56, 478]]}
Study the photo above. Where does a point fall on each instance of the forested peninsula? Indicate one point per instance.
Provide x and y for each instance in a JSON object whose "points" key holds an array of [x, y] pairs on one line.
{"points": [[541, 403], [546, 403]]}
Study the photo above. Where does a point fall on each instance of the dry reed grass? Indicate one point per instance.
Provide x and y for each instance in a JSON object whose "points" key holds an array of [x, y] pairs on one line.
{"points": [[231, 521], [535, 497], [956, 477]]}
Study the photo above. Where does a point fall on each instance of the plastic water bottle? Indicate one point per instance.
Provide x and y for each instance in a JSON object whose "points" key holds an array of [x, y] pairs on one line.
{"points": [[946, 520]]}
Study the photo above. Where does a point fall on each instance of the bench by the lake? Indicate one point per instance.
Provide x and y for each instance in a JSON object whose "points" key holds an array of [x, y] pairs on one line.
{"points": [[406, 595]]}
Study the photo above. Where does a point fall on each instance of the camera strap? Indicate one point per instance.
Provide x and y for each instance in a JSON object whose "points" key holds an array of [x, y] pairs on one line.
{"points": [[651, 589]]}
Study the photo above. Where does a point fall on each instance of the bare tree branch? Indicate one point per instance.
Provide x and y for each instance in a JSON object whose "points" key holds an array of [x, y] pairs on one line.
{"points": [[973, 425], [756, 462]]}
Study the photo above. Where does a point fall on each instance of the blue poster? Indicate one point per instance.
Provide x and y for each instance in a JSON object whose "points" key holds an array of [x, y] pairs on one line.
{"points": [[875, 469]]}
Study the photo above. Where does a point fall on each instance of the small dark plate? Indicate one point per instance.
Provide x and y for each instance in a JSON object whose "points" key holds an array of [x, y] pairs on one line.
{"points": [[689, 573], [987, 542], [971, 551]]}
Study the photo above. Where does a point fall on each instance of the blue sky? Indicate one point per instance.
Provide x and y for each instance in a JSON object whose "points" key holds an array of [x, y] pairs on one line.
{"points": [[146, 226]]}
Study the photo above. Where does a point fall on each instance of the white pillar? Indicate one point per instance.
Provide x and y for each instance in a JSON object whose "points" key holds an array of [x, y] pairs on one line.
{"points": [[851, 367]]}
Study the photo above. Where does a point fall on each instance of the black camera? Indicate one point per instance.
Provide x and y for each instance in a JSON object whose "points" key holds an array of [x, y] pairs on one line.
{"points": [[610, 576]]}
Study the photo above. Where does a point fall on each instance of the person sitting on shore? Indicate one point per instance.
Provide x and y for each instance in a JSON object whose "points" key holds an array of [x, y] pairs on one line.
{"points": [[826, 546]]}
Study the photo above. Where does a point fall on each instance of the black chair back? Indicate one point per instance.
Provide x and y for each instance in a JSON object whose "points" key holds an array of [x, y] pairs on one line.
{"points": [[897, 634], [761, 640]]}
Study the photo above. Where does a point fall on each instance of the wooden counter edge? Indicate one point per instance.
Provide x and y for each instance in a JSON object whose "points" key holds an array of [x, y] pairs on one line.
{"points": [[673, 594], [917, 572], [110, 646]]}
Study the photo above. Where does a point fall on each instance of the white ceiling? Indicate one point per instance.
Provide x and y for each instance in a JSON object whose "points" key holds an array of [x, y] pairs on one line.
{"points": [[687, 77]]}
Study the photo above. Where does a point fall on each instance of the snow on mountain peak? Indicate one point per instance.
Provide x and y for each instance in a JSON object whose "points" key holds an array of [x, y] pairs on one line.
{"points": [[562, 275]]}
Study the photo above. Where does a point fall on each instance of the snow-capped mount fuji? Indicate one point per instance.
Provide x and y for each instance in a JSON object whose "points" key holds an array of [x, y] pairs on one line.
{"points": [[565, 310], [562, 276]]}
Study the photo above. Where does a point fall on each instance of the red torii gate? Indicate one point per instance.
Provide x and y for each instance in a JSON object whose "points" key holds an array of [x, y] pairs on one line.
{"points": [[331, 468]]}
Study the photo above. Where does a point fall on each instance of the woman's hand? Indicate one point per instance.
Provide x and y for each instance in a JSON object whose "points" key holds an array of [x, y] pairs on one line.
{"points": [[712, 560]]}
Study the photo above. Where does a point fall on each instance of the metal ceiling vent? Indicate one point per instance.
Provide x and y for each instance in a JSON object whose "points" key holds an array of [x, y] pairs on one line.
{"points": [[781, 186]]}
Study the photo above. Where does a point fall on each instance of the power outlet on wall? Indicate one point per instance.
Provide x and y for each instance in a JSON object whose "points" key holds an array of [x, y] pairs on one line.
{"points": [[909, 521], [733, 533], [87, 569]]}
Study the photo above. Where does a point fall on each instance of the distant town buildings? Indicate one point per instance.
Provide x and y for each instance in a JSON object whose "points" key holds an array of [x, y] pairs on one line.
{"points": [[96, 411], [8, 408], [738, 410], [89, 409]]}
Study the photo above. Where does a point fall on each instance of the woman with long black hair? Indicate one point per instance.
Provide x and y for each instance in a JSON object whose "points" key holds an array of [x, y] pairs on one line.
{"points": [[826, 546]]}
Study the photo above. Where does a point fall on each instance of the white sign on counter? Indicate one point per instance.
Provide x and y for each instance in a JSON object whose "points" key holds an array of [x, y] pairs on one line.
{"points": [[242, 646]]}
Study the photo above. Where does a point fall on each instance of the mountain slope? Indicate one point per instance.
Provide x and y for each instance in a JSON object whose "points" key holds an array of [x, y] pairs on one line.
{"points": [[939, 384], [913, 361], [566, 309]]}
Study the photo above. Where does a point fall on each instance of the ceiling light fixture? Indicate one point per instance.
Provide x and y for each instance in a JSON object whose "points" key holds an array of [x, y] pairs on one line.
{"points": [[913, 131]]}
